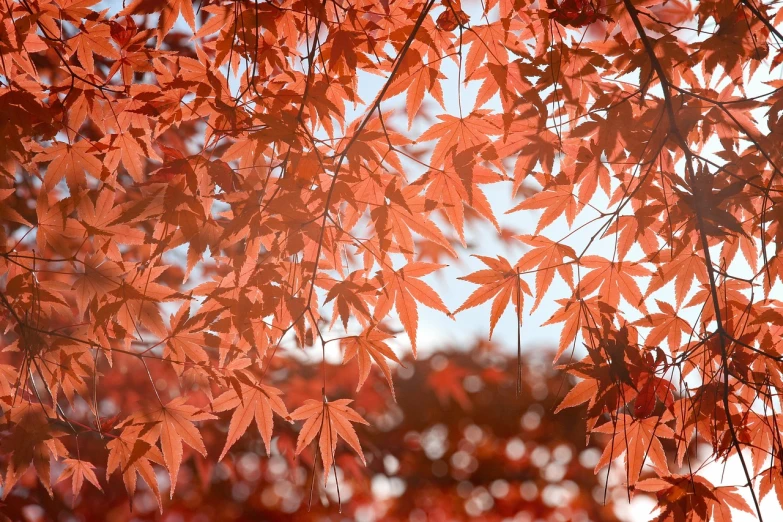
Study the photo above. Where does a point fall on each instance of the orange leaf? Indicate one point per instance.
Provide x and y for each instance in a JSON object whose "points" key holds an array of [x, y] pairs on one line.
{"points": [[331, 420], [257, 401], [500, 281]]}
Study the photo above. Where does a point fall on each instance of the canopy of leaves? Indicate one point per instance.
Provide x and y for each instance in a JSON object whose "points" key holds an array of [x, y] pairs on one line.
{"points": [[191, 191]]}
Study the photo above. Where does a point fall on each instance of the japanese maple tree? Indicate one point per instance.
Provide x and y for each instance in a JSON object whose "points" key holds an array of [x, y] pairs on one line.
{"points": [[193, 191]]}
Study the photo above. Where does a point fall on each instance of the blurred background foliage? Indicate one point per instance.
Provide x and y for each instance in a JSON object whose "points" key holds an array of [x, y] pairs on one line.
{"points": [[458, 444]]}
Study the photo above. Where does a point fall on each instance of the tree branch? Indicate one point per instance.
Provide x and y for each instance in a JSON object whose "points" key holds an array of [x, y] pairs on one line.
{"points": [[683, 145]]}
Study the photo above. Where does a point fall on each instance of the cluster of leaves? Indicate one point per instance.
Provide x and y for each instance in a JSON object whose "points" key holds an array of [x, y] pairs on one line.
{"points": [[192, 198], [456, 444]]}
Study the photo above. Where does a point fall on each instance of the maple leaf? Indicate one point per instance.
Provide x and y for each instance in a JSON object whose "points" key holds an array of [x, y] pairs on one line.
{"points": [[631, 230], [132, 452], [420, 79], [682, 269], [70, 161], [174, 425], [500, 281], [348, 297], [125, 147], [666, 324], [456, 186], [458, 134], [549, 256], [93, 39], [367, 347], [451, 18], [590, 172], [584, 391], [122, 33], [771, 478], [575, 313], [7, 211], [31, 440], [613, 280], [331, 420], [711, 205], [170, 11], [693, 497], [101, 220], [185, 339], [576, 13], [250, 401], [639, 440], [488, 45], [77, 471], [533, 144], [403, 288], [557, 201], [137, 301], [343, 57], [432, 252], [97, 277], [761, 432], [650, 390], [396, 221]]}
